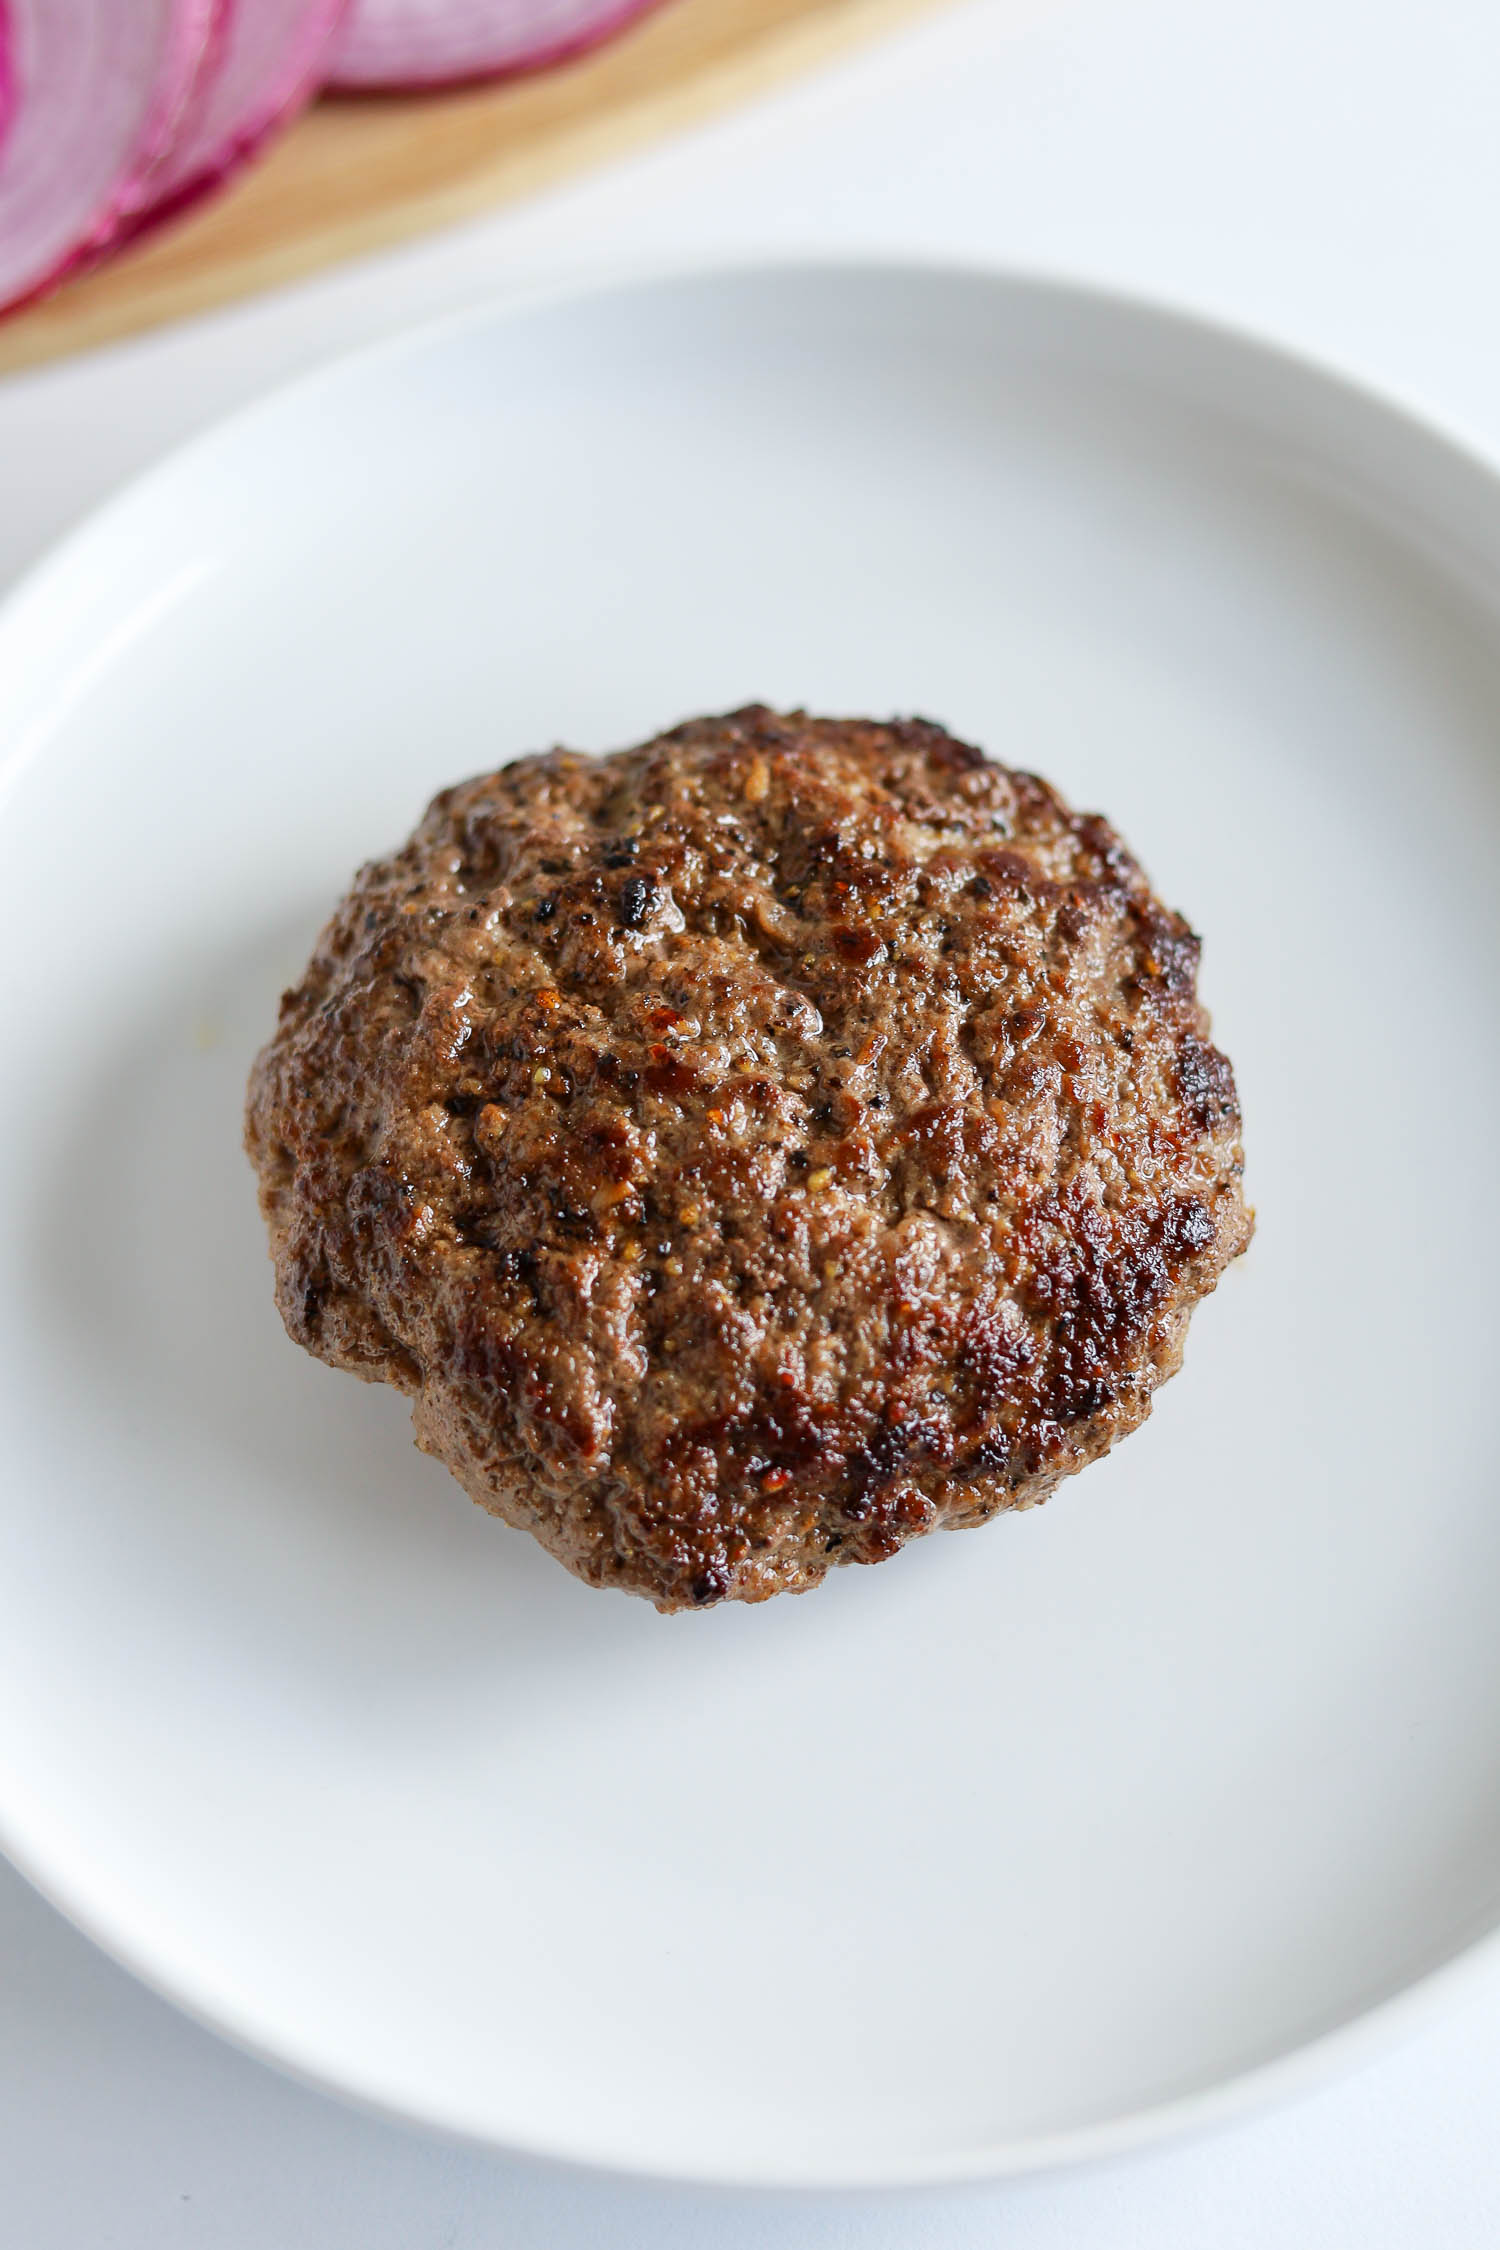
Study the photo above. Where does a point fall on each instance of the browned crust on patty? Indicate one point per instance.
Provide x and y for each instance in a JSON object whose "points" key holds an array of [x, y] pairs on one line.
{"points": [[751, 1150]]}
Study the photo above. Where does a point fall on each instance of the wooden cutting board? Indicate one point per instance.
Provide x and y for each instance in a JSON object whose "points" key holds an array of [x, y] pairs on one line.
{"points": [[355, 174]]}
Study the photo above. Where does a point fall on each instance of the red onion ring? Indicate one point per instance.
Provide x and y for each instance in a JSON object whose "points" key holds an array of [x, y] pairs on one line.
{"points": [[269, 62], [393, 44], [7, 75], [98, 89]]}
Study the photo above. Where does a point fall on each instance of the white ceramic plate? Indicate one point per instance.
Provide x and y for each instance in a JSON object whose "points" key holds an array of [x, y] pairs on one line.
{"points": [[1039, 1839]]}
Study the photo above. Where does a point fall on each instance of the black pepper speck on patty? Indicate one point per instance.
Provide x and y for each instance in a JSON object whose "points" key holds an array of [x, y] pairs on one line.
{"points": [[751, 1150]]}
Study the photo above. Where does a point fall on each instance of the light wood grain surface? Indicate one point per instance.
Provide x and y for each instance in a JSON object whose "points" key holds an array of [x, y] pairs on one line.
{"points": [[353, 175]]}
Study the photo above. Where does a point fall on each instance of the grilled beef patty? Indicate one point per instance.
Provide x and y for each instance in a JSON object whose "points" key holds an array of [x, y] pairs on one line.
{"points": [[751, 1150]]}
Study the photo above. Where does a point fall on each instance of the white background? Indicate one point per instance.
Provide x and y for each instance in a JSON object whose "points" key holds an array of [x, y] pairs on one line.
{"points": [[1323, 171]]}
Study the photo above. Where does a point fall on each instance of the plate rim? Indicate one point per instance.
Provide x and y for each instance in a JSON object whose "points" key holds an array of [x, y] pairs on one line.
{"points": [[1365, 2034]]}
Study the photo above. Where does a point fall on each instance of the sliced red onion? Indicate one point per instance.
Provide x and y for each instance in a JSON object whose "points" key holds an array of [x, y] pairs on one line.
{"points": [[390, 44], [7, 75], [99, 87], [271, 59]]}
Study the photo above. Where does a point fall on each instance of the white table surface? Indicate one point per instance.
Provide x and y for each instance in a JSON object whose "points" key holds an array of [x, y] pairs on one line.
{"points": [[1323, 171]]}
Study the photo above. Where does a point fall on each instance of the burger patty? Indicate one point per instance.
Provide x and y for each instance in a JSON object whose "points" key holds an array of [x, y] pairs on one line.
{"points": [[751, 1150]]}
